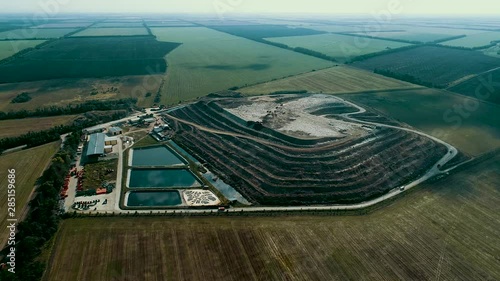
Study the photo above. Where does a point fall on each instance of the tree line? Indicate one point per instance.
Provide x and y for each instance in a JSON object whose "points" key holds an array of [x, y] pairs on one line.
{"points": [[405, 77], [43, 217], [70, 109], [32, 139]]}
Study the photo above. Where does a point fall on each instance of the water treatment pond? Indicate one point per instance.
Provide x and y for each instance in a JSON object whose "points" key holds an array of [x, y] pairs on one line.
{"points": [[162, 178], [155, 156], [154, 198]]}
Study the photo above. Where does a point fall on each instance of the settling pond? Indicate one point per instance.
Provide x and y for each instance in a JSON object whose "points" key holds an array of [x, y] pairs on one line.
{"points": [[162, 178], [164, 198], [155, 156]]}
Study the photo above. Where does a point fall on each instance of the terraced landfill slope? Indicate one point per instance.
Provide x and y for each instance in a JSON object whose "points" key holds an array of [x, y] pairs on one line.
{"points": [[448, 230], [279, 161]]}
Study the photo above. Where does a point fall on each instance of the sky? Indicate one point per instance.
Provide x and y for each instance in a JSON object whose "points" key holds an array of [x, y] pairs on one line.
{"points": [[368, 7]]}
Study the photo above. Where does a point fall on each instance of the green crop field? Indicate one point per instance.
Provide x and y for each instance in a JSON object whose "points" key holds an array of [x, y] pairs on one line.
{"points": [[335, 28], [335, 80], [119, 24], [65, 24], [35, 33], [209, 61], [485, 87], [475, 40], [341, 47], [29, 165], [11, 128], [9, 48], [415, 33], [448, 230], [89, 57], [493, 51], [112, 31], [438, 66], [249, 30], [433, 112]]}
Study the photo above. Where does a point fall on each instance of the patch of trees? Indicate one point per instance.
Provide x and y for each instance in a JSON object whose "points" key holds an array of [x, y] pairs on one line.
{"points": [[405, 77], [33, 139], [21, 98], [88, 106], [43, 218]]}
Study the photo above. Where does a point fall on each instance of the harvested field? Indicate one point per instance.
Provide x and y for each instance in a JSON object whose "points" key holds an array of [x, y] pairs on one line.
{"points": [[117, 31], [29, 165], [61, 92], [438, 66], [89, 57], [345, 163], [447, 230], [9, 48], [341, 47], [433, 112], [12, 128], [210, 61], [335, 80]]}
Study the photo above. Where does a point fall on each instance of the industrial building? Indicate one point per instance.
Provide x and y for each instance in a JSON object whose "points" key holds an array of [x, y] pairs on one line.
{"points": [[115, 131], [95, 145], [98, 144]]}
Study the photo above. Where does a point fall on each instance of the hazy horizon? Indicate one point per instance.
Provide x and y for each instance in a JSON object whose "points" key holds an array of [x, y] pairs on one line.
{"points": [[324, 7]]}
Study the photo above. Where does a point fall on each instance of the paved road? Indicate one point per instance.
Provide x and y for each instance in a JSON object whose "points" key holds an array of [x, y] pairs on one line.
{"points": [[119, 176], [452, 152]]}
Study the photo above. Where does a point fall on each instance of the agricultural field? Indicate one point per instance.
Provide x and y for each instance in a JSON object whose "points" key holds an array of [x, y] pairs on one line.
{"points": [[61, 92], [161, 23], [285, 134], [89, 58], [210, 61], [414, 33], [12, 128], [36, 33], [438, 66], [485, 87], [109, 31], [448, 230], [265, 30], [119, 24], [9, 48], [433, 112], [336, 28], [65, 24], [29, 165], [493, 51], [335, 80], [341, 47], [475, 40]]}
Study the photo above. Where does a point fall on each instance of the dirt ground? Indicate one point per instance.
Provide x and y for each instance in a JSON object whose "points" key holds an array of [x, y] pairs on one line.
{"points": [[292, 115]]}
